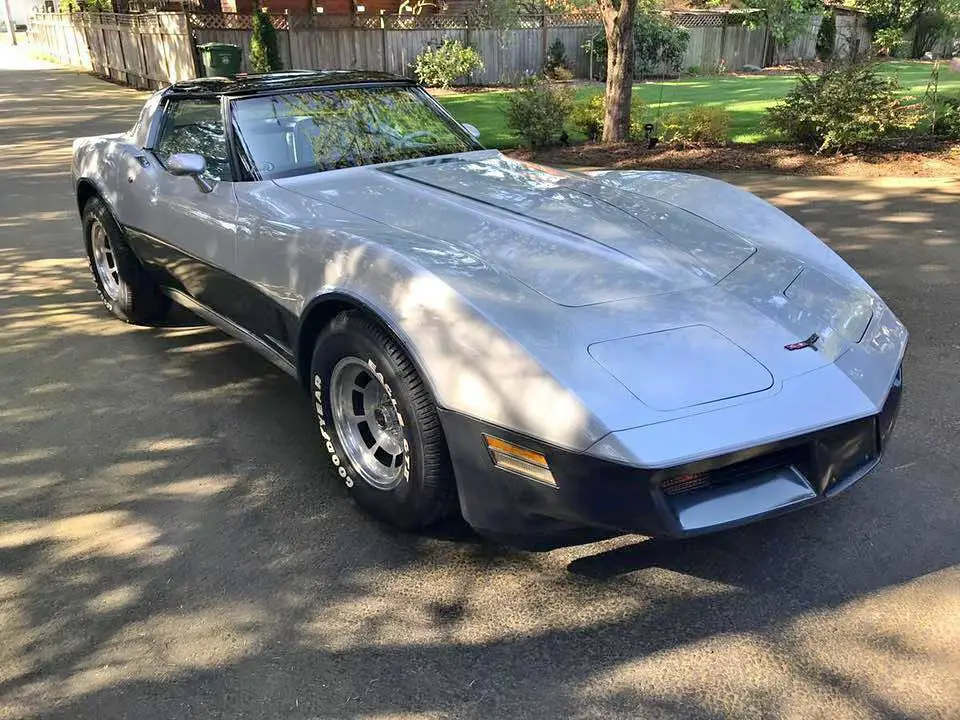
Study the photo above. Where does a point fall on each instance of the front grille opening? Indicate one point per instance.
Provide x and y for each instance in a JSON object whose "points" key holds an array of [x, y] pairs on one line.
{"points": [[687, 482]]}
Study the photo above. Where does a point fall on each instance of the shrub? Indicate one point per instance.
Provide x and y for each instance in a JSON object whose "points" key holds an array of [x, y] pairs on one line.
{"points": [[587, 117], [264, 50], [696, 126], [556, 65], [451, 60], [538, 113], [944, 115], [658, 43], [848, 103], [889, 41]]}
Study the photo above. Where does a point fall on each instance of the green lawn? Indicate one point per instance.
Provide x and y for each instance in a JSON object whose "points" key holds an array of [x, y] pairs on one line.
{"points": [[746, 98]]}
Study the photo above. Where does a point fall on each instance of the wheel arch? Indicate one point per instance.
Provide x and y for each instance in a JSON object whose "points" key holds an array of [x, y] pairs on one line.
{"points": [[86, 190], [320, 311]]}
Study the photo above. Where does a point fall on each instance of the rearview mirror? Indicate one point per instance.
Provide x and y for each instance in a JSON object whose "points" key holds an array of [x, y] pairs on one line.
{"points": [[474, 133], [190, 164]]}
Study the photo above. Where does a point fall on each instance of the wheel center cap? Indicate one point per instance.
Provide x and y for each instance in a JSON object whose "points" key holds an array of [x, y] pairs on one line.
{"points": [[381, 417]]}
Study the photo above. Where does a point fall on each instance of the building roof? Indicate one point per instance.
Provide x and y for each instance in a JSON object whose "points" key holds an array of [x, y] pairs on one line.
{"points": [[255, 84]]}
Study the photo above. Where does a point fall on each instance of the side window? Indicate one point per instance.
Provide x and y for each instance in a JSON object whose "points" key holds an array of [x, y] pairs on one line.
{"points": [[195, 126]]}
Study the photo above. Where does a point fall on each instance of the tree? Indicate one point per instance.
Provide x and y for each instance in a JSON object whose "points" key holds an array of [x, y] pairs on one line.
{"points": [[927, 20], [617, 18], [264, 50]]}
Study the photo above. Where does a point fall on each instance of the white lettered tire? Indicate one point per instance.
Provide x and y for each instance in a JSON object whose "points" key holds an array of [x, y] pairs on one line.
{"points": [[379, 425]]}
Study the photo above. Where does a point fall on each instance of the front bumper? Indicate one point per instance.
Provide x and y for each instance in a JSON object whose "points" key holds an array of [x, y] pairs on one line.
{"points": [[596, 498]]}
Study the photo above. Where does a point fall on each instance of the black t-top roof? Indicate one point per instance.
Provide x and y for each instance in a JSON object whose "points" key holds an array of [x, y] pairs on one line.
{"points": [[256, 84]]}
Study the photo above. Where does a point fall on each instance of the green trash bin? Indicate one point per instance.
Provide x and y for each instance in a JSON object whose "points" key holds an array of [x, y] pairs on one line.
{"points": [[220, 59]]}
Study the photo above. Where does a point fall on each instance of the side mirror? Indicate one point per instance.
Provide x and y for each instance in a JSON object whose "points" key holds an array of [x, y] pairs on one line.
{"points": [[190, 164], [474, 133], [186, 164]]}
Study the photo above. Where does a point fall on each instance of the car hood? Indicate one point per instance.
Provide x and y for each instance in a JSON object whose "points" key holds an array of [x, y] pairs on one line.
{"points": [[562, 235], [637, 279]]}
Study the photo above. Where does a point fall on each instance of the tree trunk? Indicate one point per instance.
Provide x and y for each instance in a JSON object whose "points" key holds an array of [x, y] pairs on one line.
{"points": [[618, 26]]}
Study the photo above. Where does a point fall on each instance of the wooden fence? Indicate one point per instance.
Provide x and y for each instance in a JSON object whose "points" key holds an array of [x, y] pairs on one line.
{"points": [[804, 46], [155, 49], [148, 50]]}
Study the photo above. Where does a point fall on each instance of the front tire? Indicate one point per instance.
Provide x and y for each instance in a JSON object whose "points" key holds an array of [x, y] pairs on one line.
{"points": [[379, 424], [124, 286]]}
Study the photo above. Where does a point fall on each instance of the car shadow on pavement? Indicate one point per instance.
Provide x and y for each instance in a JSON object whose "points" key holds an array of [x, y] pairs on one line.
{"points": [[172, 543]]}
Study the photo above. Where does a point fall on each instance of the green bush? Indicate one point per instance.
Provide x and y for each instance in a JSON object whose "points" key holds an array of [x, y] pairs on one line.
{"points": [[587, 117], [443, 65], [538, 112], [699, 125], [889, 41], [658, 44], [848, 103], [944, 117], [264, 49], [556, 65]]}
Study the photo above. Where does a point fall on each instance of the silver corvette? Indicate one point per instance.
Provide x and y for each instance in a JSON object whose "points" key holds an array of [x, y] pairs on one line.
{"points": [[558, 355]]}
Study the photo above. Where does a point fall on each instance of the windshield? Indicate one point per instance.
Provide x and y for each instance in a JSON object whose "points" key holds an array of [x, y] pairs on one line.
{"points": [[313, 131]]}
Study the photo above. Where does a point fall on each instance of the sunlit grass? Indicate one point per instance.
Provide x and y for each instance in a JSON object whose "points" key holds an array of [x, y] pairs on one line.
{"points": [[746, 97]]}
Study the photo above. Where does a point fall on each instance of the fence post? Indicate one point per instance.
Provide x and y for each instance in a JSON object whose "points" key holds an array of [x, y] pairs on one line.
{"points": [[383, 40], [723, 36], [543, 36], [286, 12], [143, 57], [191, 48], [106, 45], [8, 20], [123, 55]]}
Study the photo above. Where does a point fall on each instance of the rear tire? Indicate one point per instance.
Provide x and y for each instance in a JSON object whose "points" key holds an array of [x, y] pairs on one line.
{"points": [[379, 424], [124, 286]]}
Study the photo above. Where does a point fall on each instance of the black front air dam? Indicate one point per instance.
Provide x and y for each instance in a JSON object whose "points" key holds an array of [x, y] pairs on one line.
{"points": [[595, 498]]}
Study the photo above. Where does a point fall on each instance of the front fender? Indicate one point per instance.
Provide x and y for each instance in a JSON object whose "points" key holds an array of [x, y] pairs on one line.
{"points": [[471, 365], [456, 314], [96, 161]]}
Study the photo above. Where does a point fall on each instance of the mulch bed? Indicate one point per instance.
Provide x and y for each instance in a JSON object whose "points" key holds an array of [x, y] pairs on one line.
{"points": [[898, 159]]}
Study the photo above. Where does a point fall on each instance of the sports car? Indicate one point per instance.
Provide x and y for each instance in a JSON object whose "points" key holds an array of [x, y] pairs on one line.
{"points": [[558, 356]]}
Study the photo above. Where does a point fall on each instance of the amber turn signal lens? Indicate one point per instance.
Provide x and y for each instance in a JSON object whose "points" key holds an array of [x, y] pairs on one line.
{"points": [[519, 460]]}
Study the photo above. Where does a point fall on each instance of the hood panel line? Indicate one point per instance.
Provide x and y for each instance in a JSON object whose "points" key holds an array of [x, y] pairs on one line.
{"points": [[518, 213]]}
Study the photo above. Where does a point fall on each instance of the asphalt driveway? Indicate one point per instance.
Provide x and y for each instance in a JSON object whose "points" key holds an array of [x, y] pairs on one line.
{"points": [[171, 545]]}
